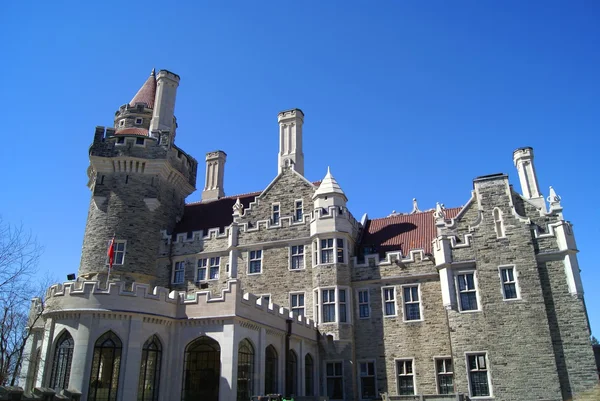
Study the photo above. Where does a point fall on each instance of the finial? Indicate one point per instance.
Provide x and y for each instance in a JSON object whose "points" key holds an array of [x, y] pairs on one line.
{"points": [[328, 170], [439, 214], [153, 73], [554, 200], [415, 208], [238, 208]]}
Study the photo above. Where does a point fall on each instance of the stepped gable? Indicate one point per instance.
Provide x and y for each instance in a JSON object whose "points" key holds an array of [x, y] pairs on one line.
{"points": [[403, 232]]}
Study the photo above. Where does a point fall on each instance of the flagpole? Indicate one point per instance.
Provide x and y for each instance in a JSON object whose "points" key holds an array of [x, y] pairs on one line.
{"points": [[111, 254]]}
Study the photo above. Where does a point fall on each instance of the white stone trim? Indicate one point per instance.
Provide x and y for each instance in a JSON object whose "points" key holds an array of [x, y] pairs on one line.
{"points": [[489, 374], [517, 286], [414, 375], [475, 283], [383, 301], [422, 317], [290, 256], [262, 254]]}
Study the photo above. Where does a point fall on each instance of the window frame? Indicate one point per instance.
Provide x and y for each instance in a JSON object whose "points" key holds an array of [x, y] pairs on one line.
{"points": [[475, 289], [334, 376], [499, 227], [338, 254], [303, 307], [439, 374], [413, 375], [360, 378], [297, 255], [123, 252], [204, 261], [367, 303], [181, 262], [515, 282], [141, 121], [419, 302], [487, 370], [301, 209], [212, 266], [250, 260], [384, 301], [318, 304], [276, 214], [62, 361]]}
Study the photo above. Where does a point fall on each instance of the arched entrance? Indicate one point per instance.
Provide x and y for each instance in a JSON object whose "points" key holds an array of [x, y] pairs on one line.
{"points": [[202, 370]]}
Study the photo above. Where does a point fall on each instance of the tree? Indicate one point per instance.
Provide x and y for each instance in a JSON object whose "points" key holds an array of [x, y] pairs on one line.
{"points": [[19, 257]]}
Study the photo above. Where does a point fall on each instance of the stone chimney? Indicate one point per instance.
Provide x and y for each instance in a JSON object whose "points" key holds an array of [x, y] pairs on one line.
{"points": [[215, 169], [290, 140], [163, 117], [523, 159]]}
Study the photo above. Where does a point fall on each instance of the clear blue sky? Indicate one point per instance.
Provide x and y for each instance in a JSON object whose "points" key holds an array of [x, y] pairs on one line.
{"points": [[402, 99]]}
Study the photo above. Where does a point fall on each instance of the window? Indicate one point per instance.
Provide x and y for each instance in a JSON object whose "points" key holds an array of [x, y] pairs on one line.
{"points": [[150, 370], [297, 257], [297, 304], [122, 123], [340, 250], [509, 282], [201, 370], [61, 365], [179, 272], [255, 265], [327, 251], [299, 212], [121, 139], [119, 256], [445, 376], [466, 291], [328, 300], [201, 270], [138, 121], [364, 309], [412, 305], [498, 223], [335, 380], [292, 369], [275, 215], [406, 382], [315, 253], [271, 370], [139, 141], [309, 371], [245, 376], [106, 363], [367, 380], [215, 263], [342, 305], [389, 301], [478, 375]]}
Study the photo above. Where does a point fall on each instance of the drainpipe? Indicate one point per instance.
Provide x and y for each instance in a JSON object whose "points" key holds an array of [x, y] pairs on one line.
{"points": [[288, 379]]}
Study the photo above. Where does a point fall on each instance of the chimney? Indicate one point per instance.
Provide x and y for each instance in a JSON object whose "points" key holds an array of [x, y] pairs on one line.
{"points": [[290, 140], [215, 168], [163, 117], [523, 159]]}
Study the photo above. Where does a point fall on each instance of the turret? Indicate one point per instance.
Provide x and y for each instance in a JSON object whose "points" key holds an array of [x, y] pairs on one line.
{"points": [[163, 118], [523, 159], [139, 184], [290, 140]]}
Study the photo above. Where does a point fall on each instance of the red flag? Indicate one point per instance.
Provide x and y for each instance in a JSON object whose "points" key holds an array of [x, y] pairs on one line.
{"points": [[111, 253]]}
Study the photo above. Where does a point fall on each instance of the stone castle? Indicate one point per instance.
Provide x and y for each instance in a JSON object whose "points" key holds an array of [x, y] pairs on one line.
{"points": [[284, 291]]}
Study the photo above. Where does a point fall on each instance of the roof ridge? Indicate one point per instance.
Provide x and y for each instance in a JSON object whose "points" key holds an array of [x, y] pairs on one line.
{"points": [[414, 214]]}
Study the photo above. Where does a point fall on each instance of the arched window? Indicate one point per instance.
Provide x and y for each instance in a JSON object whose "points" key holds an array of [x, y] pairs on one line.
{"points": [[150, 370], [245, 375], [498, 223], [61, 364], [292, 373], [309, 369], [202, 370], [271, 370], [104, 377]]}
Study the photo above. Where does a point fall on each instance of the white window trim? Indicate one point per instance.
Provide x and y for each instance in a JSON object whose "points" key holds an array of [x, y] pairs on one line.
{"points": [[121, 123], [262, 254], [414, 375], [296, 208], [303, 258], [383, 301], [218, 265], [335, 250], [141, 121], [317, 304], [359, 376], [437, 382], [517, 287], [358, 303], [418, 285], [489, 375], [290, 301], [501, 220], [475, 283], [173, 271], [118, 241], [273, 212], [342, 376], [196, 278]]}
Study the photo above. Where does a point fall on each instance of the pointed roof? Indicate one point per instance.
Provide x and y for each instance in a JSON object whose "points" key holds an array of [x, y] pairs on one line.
{"points": [[329, 186], [147, 92]]}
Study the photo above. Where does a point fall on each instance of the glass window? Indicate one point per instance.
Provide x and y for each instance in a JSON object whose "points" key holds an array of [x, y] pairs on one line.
{"points": [[299, 210], [245, 376], [509, 283], [335, 380], [467, 292], [342, 305], [340, 250], [445, 376], [106, 363], [202, 370], [201, 272], [478, 375], [327, 251], [328, 302], [292, 371], [498, 223], [61, 365], [309, 371], [150, 370], [215, 264], [389, 301], [275, 215], [367, 380], [364, 310], [255, 262], [119, 251], [297, 257], [406, 383], [297, 304], [271, 370], [412, 305], [179, 272]]}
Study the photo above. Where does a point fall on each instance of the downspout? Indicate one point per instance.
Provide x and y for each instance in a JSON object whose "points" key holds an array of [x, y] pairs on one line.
{"points": [[288, 378]]}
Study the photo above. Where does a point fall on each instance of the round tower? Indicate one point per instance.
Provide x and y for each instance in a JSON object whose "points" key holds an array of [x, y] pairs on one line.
{"points": [[139, 181]]}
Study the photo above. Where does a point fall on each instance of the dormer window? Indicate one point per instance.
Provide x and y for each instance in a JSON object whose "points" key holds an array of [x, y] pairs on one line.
{"points": [[139, 121], [275, 214], [498, 223]]}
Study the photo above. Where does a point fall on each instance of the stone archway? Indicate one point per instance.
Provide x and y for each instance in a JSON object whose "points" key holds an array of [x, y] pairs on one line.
{"points": [[202, 370]]}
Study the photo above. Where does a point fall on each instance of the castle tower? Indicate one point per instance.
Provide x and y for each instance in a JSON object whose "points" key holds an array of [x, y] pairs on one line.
{"points": [[523, 159], [139, 181], [290, 140]]}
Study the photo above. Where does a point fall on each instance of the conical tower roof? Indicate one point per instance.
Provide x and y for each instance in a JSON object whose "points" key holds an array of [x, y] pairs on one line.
{"points": [[329, 186], [147, 92]]}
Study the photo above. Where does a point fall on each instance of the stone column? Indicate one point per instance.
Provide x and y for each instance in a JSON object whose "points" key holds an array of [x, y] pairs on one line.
{"points": [[131, 358], [259, 372], [82, 356], [229, 362]]}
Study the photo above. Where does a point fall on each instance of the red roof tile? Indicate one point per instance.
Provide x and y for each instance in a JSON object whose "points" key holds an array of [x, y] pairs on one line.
{"points": [[146, 93], [132, 131], [403, 232]]}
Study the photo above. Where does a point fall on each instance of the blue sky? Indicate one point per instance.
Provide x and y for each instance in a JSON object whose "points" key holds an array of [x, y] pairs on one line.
{"points": [[402, 99]]}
